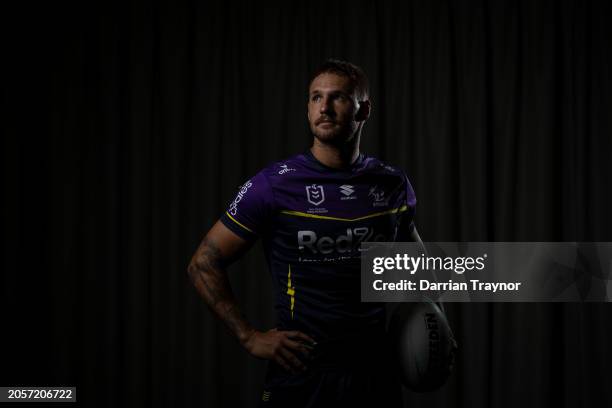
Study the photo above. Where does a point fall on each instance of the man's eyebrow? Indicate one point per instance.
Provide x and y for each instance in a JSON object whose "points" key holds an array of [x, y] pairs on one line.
{"points": [[334, 92]]}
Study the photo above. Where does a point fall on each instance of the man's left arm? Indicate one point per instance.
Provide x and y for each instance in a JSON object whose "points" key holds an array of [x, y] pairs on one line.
{"points": [[413, 236]]}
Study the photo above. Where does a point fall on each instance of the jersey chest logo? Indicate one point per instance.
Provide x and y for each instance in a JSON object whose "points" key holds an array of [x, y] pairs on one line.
{"points": [[315, 194], [317, 243]]}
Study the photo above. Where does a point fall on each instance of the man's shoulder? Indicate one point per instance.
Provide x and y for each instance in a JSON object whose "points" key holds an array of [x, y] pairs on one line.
{"points": [[283, 167], [378, 165]]}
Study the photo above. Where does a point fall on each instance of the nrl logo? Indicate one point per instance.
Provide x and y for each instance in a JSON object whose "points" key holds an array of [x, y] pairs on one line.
{"points": [[315, 194]]}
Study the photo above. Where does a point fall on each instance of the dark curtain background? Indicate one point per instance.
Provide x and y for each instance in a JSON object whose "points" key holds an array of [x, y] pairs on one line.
{"points": [[129, 126]]}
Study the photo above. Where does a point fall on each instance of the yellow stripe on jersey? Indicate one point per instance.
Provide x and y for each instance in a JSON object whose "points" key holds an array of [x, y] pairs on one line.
{"points": [[266, 396], [325, 217], [290, 291], [236, 221]]}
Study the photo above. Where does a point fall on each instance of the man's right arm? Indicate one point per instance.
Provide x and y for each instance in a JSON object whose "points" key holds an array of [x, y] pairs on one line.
{"points": [[207, 271]]}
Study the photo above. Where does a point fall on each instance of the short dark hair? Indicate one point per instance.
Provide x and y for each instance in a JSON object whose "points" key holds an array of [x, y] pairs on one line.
{"points": [[349, 70]]}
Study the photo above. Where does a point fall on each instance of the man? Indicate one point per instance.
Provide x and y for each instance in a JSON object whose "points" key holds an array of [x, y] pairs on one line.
{"points": [[312, 211]]}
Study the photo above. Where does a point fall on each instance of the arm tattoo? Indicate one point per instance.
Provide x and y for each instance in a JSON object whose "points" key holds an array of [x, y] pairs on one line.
{"points": [[207, 273]]}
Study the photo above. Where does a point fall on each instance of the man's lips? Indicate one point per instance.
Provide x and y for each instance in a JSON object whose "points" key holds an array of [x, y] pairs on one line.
{"points": [[321, 122]]}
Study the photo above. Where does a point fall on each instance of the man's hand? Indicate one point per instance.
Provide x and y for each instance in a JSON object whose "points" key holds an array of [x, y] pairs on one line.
{"points": [[280, 347]]}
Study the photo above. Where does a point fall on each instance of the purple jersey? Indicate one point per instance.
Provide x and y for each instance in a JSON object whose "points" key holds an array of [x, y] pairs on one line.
{"points": [[312, 219]]}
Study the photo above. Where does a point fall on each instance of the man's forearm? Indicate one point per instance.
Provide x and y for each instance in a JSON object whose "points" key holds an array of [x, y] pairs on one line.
{"points": [[415, 237], [208, 275]]}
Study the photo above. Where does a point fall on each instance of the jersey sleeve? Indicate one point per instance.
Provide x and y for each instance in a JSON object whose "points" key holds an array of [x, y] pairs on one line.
{"points": [[406, 219], [251, 209]]}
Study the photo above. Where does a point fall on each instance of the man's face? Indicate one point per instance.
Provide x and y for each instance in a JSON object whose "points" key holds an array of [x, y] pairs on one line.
{"points": [[332, 108]]}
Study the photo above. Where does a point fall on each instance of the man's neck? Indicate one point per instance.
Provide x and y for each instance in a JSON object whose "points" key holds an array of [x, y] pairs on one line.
{"points": [[336, 157]]}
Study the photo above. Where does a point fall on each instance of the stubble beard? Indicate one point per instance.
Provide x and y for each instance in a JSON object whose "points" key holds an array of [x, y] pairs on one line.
{"points": [[337, 136]]}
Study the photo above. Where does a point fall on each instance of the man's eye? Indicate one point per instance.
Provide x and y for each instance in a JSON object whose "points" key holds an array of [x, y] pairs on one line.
{"points": [[340, 98], [316, 98]]}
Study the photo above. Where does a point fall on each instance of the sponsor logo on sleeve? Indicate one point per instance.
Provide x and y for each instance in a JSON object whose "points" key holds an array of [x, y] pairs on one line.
{"points": [[233, 208]]}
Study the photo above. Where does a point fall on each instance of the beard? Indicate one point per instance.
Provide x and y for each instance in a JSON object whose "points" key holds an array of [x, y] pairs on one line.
{"points": [[334, 134]]}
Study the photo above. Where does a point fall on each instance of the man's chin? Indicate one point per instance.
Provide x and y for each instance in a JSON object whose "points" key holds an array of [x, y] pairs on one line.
{"points": [[331, 137]]}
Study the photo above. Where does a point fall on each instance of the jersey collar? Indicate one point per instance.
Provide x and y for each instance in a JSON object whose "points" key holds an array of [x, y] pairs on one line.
{"points": [[320, 166]]}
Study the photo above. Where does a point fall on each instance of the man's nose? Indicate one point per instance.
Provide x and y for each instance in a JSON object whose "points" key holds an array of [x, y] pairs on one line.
{"points": [[326, 105]]}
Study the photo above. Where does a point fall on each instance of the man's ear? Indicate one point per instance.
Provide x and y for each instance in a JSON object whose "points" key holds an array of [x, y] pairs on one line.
{"points": [[364, 111]]}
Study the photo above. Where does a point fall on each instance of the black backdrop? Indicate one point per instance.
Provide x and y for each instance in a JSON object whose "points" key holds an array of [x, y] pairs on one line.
{"points": [[129, 126]]}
